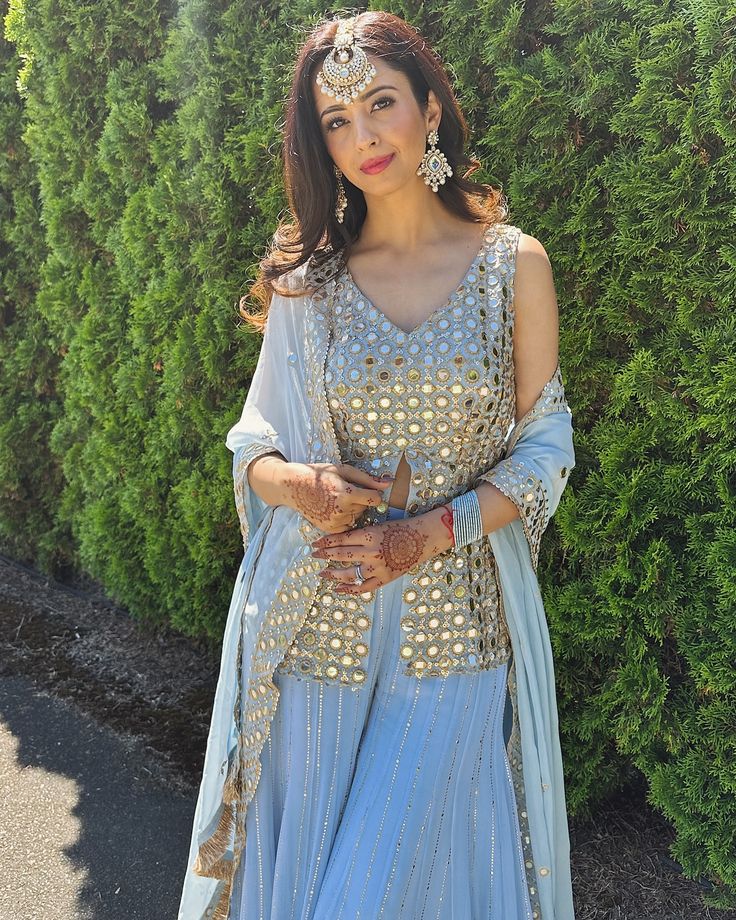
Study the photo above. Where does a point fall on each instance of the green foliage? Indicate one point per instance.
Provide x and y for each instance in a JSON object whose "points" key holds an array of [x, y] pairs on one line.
{"points": [[140, 183]]}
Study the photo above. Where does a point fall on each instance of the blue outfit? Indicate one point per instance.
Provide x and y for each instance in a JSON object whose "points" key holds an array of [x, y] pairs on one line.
{"points": [[395, 801], [357, 764]]}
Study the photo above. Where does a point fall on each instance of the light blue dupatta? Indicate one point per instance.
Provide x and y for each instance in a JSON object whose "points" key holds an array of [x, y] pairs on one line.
{"points": [[286, 411], [541, 451]]}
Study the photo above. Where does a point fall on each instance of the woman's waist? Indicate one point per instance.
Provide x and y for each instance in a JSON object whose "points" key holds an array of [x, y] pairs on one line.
{"points": [[424, 481], [451, 619]]}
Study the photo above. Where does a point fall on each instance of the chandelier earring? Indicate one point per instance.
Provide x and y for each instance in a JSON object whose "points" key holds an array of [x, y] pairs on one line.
{"points": [[342, 201], [434, 166]]}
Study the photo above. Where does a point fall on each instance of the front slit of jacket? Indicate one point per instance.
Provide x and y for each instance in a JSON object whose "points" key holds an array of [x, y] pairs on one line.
{"points": [[272, 616]]}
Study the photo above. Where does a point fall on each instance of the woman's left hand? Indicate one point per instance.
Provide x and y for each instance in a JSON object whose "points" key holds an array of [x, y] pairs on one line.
{"points": [[384, 551]]}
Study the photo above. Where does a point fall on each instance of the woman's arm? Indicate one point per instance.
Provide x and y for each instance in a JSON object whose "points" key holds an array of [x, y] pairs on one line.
{"points": [[536, 354], [265, 477], [270, 421], [536, 323]]}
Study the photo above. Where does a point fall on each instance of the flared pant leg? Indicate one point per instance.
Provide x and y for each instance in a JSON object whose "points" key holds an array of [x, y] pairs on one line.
{"points": [[394, 801]]}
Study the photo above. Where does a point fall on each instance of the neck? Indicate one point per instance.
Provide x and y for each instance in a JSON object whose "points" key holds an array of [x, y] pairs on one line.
{"points": [[407, 222]]}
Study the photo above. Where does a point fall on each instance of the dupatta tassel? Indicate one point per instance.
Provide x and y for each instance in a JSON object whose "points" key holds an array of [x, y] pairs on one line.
{"points": [[222, 909], [212, 857], [219, 906]]}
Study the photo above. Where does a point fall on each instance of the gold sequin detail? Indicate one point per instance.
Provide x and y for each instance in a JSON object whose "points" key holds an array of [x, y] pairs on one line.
{"points": [[518, 481], [442, 395], [333, 642], [242, 460]]}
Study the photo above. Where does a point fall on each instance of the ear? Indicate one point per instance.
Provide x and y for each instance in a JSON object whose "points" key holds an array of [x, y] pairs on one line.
{"points": [[433, 112]]}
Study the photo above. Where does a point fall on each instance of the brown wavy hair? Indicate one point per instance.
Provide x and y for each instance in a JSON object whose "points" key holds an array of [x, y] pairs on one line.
{"points": [[309, 176]]}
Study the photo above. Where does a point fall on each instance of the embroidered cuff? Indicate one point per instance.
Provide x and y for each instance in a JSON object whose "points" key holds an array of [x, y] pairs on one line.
{"points": [[551, 399], [242, 460], [526, 490]]}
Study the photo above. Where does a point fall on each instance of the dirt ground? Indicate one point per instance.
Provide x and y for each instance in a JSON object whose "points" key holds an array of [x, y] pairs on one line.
{"points": [[158, 687]]}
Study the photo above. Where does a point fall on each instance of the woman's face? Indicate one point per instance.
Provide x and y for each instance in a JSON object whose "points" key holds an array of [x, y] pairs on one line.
{"points": [[384, 121]]}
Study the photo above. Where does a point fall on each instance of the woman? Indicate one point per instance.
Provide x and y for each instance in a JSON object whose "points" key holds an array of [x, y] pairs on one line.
{"points": [[384, 734]]}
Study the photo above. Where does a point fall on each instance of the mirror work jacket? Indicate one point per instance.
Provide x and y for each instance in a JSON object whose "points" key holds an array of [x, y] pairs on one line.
{"points": [[337, 382]]}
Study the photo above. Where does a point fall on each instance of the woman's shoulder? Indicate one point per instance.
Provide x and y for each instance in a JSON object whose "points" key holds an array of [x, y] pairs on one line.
{"points": [[322, 267], [290, 280], [526, 252], [505, 233], [299, 290], [524, 243], [532, 261]]}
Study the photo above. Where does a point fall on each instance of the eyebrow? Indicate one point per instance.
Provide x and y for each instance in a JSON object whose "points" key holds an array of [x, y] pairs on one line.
{"points": [[364, 96]]}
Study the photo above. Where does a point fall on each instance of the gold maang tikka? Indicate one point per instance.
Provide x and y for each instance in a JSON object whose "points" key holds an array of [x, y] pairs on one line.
{"points": [[346, 71]]}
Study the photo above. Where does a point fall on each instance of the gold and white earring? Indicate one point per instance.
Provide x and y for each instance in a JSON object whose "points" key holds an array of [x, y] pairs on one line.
{"points": [[342, 201], [434, 166]]}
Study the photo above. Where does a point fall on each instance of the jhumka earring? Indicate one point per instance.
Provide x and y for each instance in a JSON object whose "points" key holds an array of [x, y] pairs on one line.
{"points": [[434, 166], [342, 201]]}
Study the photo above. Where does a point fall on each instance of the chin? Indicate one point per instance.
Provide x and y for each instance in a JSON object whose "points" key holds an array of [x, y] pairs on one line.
{"points": [[383, 185]]}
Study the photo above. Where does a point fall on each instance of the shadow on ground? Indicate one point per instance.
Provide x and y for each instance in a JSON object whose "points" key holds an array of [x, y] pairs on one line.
{"points": [[93, 833], [106, 724]]}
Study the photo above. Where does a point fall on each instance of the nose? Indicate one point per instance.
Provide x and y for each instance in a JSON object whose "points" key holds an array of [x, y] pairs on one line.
{"points": [[365, 136]]}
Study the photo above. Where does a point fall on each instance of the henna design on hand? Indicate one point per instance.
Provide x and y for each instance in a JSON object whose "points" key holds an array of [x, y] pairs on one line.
{"points": [[448, 517], [313, 498], [401, 546]]}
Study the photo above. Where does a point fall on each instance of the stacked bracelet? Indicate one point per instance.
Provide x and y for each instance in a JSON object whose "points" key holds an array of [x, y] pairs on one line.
{"points": [[467, 526]]}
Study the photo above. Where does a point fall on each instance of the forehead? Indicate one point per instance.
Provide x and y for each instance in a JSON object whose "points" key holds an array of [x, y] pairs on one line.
{"points": [[384, 74]]}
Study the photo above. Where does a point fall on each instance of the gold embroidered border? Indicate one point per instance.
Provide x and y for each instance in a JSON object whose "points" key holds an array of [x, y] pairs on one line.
{"points": [[257, 705], [513, 751], [246, 454], [526, 490]]}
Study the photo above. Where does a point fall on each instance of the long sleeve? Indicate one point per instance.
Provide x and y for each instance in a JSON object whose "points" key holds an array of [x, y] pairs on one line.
{"points": [[270, 418], [539, 456]]}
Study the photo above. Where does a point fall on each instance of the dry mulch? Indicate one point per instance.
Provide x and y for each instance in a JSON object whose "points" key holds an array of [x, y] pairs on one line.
{"points": [[158, 685]]}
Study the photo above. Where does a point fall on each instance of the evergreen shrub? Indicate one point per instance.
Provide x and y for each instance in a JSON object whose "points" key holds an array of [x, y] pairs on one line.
{"points": [[139, 185]]}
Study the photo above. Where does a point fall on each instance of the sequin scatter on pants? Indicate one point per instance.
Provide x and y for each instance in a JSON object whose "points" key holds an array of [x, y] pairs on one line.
{"points": [[395, 801]]}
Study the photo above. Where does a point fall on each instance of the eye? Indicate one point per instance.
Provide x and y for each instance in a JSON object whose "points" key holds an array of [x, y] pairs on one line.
{"points": [[333, 122], [384, 99]]}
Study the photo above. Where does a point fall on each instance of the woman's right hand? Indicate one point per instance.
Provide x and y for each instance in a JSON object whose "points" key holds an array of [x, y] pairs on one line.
{"points": [[331, 496]]}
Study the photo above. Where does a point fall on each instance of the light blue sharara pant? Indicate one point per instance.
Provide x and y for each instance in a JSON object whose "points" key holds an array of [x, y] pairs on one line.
{"points": [[394, 801]]}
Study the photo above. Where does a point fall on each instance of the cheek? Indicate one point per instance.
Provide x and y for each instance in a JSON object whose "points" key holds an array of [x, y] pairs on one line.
{"points": [[407, 135], [337, 147], [405, 124]]}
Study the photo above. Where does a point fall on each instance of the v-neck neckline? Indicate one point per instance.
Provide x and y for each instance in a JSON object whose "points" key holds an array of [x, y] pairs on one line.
{"points": [[480, 254]]}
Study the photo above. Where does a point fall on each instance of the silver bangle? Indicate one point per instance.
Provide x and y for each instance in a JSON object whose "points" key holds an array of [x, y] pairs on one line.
{"points": [[467, 526]]}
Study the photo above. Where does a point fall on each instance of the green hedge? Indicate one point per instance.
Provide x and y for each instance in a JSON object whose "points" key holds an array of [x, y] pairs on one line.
{"points": [[139, 185]]}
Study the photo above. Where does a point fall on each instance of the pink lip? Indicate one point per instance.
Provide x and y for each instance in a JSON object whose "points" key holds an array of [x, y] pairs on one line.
{"points": [[377, 165]]}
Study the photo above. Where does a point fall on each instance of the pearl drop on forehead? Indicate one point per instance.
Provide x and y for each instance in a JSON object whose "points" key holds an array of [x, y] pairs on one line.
{"points": [[346, 71]]}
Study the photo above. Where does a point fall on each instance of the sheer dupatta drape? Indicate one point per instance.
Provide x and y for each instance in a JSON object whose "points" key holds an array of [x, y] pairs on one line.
{"points": [[279, 412]]}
